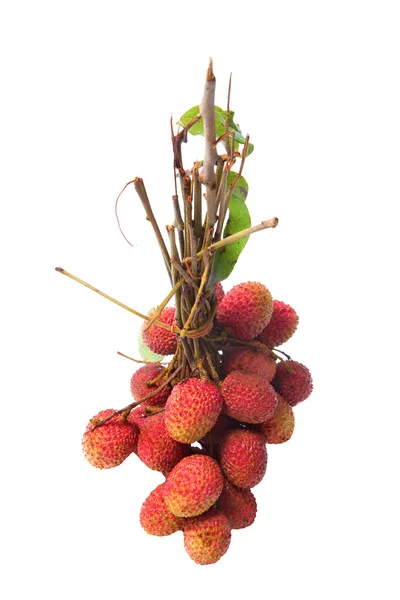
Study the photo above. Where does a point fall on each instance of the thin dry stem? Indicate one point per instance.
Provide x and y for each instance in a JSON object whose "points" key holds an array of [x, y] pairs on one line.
{"points": [[210, 155]]}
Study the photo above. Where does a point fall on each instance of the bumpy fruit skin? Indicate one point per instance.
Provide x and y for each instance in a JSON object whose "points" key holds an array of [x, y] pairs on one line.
{"points": [[239, 505], [159, 340], [281, 327], [245, 310], [155, 518], [110, 444], [140, 389], [246, 359], [193, 486], [243, 457], [248, 397], [156, 448], [295, 385], [207, 537], [279, 428], [192, 409]]}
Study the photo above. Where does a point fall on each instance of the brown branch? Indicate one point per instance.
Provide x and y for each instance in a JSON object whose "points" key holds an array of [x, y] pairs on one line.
{"points": [[116, 211], [141, 191], [135, 360], [271, 223], [197, 200], [163, 304], [197, 300], [207, 111], [128, 308], [132, 405]]}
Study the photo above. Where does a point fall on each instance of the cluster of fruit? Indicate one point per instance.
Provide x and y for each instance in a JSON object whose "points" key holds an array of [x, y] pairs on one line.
{"points": [[208, 438]]}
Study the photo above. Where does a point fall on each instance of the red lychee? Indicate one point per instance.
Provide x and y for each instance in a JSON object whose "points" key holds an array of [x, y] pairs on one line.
{"points": [[243, 457], [279, 428], [207, 537], [245, 310], [156, 448], [140, 389], [192, 409], [193, 486], [281, 327], [293, 381], [246, 359], [248, 397], [155, 518], [110, 444], [160, 340], [238, 504]]}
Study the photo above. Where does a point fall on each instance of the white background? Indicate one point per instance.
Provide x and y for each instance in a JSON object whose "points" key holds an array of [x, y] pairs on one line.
{"points": [[87, 92]]}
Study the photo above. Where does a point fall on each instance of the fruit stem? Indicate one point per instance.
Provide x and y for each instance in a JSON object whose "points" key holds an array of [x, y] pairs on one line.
{"points": [[142, 193], [198, 226], [207, 111], [164, 303], [130, 407], [145, 362], [197, 300], [128, 308]]}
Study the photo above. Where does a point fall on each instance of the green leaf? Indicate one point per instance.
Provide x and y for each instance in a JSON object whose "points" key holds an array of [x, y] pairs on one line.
{"points": [[220, 116], [226, 258], [242, 187], [145, 351]]}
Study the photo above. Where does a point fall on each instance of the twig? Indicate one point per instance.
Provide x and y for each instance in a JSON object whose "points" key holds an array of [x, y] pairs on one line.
{"points": [[91, 287], [198, 226], [223, 199], [163, 304], [116, 211], [175, 260], [144, 362], [227, 118], [179, 224], [176, 265], [141, 191], [271, 223], [130, 407], [198, 297], [210, 156]]}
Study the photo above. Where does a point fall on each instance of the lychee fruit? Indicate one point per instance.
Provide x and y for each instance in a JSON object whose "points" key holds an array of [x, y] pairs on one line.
{"points": [[247, 359], [155, 518], [245, 310], [243, 457], [160, 340], [156, 448], [207, 537], [238, 504], [293, 381], [248, 397], [140, 388], [193, 486], [110, 444], [279, 428], [192, 409], [281, 327]]}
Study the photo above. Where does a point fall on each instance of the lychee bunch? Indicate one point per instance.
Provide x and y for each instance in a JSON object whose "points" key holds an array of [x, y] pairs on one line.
{"points": [[202, 419], [207, 431]]}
